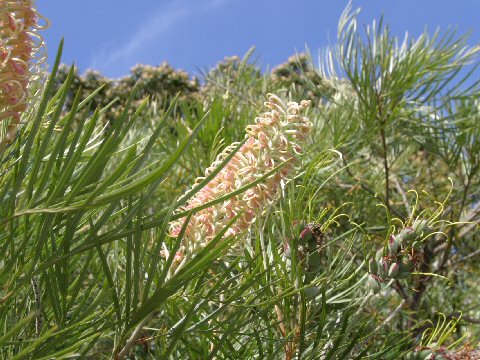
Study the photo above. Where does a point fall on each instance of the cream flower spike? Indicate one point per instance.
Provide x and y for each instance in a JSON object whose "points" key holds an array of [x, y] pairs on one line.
{"points": [[277, 136], [20, 61]]}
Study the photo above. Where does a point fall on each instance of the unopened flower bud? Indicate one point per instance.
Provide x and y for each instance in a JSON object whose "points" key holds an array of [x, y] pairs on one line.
{"points": [[421, 228], [372, 266], [393, 244], [383, 268], [424, 354], [311, 237], [406, 234], [393, 270], [405, 265], [411, 356], [306, 235], [379, 255], [373, 283]]}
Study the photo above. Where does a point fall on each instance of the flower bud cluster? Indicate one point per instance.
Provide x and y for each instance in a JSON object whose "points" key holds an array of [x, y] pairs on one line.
{"points": [[275, 138], [19, 42], [442, 353], [425, 353], [403, 252], [309, 245]]}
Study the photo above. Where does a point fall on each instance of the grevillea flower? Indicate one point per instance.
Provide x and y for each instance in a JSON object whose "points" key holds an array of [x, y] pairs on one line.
{"points": [[275, 138], [19, 44]]}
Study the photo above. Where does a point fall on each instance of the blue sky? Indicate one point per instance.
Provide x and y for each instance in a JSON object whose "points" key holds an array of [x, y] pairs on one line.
{"points": [[114, 35]]}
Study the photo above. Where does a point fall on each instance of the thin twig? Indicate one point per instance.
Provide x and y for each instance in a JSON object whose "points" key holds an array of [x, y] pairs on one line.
{"points": [[472, 214], [400, 290], [133, 338], [386, 168], [38, 305], [473, 254], [398, 186], [470, 320], [366, 188], [390, 317], [464, 318], [414, 302]]}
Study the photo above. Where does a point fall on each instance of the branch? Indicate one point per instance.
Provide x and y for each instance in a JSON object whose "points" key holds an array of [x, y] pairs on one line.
{"points": [[398, 186], [464, 318], [133, 338], [472, 214], [470, 320], [366, 188], [475, 253], [38, 304], [421, 286], [390, 317], [386, 168], [400, 290]]}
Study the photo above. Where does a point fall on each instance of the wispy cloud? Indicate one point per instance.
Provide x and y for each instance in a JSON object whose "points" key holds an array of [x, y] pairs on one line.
{"points": [[160, 24]]}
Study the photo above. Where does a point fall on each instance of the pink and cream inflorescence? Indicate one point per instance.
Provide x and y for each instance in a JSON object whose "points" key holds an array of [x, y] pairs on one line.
{"points": [[276, 137], [19, 44]]}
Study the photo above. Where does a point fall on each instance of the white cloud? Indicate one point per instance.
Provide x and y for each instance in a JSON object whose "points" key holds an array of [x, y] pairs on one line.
{"points": [[158, 25]]}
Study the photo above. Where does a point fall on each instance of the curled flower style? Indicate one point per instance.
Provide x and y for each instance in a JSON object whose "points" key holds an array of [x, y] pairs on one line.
{"points": [[20, 61], [275, 138]]}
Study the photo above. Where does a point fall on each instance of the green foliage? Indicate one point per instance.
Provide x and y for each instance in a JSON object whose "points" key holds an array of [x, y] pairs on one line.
{"points": [[388, 190]]}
